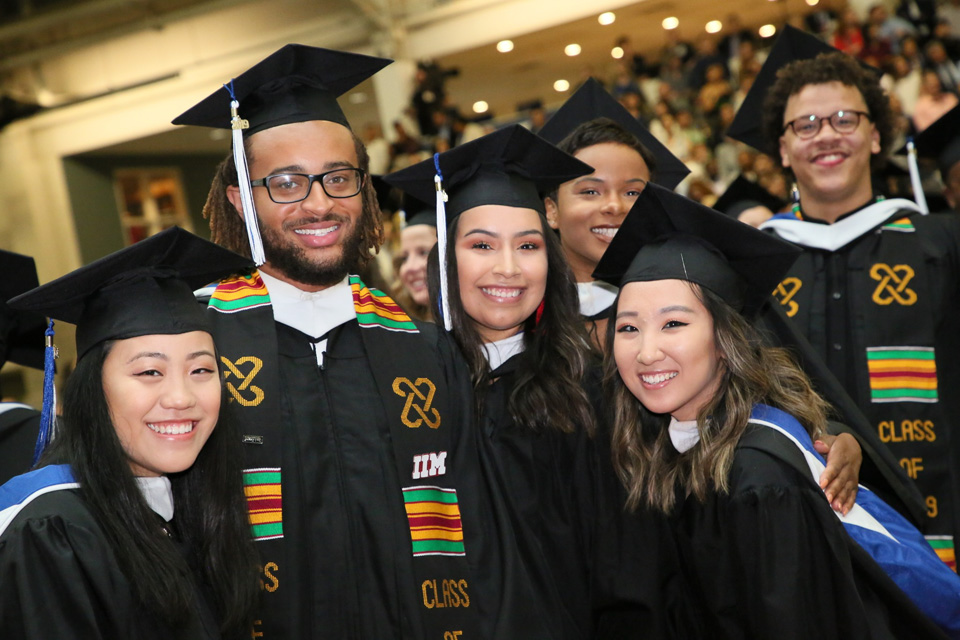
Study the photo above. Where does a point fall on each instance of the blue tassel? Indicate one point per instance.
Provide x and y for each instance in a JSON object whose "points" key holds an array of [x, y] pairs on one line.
{"points": [[49, 398]]}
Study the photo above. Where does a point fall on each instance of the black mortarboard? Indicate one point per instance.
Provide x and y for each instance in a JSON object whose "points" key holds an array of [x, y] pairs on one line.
{"points": [[666, 236], [416, 211], [21, 332], [510, 167], [294, 84], [792, 44], [144, 289], [386, 196], [743, 194], [941, 141], [591, 101]]}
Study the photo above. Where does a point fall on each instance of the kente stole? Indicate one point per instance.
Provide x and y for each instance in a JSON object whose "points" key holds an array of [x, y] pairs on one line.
{"points": [[417, 403]]}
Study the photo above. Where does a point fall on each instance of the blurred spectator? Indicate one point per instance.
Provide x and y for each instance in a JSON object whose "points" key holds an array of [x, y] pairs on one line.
{"points": [[730, 44], [933, 101], [921, 13], [632, 101], [950, 11], [848, 37], [706, 57], [635, 63], [746, 61], [903, 82], [947, 36], [377, 148], [910, 51], [876, 50], [945, 68], [890, 29]]}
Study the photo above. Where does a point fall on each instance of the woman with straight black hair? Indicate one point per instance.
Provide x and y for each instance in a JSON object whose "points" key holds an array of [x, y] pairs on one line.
{"points": [[133, 525], [511, 306]]}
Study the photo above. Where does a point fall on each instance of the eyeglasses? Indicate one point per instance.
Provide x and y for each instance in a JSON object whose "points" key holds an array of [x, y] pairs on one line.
{"points": [[843, 122], [284, 188]]}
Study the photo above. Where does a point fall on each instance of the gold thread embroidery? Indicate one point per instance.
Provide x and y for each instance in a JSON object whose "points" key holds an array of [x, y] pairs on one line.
{"points": [[900, 275], [427, 413], [236, 392], [785, 292]]}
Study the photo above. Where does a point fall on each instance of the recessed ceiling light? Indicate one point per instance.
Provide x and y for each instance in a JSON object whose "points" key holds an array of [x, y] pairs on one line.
{"points": [[714, 26], [505, 46], [767, 31], [616, 52], [608, 17], [813, 3], [480, 106], [572, 50], [670, 23], [561, 86]]}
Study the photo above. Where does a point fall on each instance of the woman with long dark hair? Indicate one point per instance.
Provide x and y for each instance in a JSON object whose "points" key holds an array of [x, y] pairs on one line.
{"points": [[133, 525], [511, 305], [717, 431]]}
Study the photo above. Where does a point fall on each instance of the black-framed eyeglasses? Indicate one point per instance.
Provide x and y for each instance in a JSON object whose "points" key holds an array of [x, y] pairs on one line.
{"points": [[284, 188], [843, 122]]}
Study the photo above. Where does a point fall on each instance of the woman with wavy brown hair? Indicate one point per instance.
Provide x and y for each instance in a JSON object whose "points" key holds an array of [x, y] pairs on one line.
{"points": [[717, 431]]}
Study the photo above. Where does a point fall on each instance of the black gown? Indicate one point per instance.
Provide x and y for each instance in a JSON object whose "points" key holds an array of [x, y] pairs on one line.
{"points": [[547, 481], [883, 313], [19, 425], [770, 559], [59, 579]]}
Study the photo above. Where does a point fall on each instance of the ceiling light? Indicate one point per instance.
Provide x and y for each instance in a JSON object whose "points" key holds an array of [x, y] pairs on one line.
{"points": [[561, 86], [606, 18], [505, 46], [714, 26], [572, 50], [480, 106], [767, 31], [813, 3], [670, 23], [616, 52]]}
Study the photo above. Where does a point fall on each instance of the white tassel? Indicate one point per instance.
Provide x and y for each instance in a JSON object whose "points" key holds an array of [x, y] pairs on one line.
{"points": [[246, 192], [442, 245], [918, 195]]}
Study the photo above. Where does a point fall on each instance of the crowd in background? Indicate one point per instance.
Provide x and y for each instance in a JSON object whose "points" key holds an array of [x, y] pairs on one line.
{"points": [[689, 93]]}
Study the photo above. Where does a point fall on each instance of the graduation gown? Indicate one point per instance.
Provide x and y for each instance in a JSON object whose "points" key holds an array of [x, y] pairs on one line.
{"points": [[19, 426], [362, 476], [547, 482], [60, 579], [770, 559], [878, 296]]}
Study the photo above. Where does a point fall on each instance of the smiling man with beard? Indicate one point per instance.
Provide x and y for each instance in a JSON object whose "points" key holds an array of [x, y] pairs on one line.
{"points": [[877, 287], [362, 478]]}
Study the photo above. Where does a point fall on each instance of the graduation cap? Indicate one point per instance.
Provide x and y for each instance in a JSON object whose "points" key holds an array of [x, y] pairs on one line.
{"points": [[941, 141], [294, 84], [21, 332], [144, 289], [509, 167], [743, 194], [666, 236], [386, 197], [592, 101], [416, 211], [792, 44]]}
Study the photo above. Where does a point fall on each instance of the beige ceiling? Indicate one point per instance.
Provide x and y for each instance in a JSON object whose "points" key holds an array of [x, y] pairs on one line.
{"points": [[55, 27]]}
